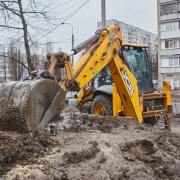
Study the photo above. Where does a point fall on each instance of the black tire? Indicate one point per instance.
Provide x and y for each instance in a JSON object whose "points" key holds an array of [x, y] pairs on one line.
{"points": [[106, 101], [150, 120]]}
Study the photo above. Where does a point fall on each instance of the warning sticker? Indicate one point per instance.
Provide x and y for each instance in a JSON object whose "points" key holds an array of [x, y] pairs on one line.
{"points": [[112, 35], [128, 83]]}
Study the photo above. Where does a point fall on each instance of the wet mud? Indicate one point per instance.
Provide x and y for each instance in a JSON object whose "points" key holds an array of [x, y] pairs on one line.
{"points": [[12, 121], [82, 146]]}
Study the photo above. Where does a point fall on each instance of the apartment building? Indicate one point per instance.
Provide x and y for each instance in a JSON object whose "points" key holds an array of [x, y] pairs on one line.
{"points": [[169, 42], [134, 35]]}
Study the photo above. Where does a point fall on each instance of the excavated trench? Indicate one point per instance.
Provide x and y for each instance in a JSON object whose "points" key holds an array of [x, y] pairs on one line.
{"points": [[82, 146]]}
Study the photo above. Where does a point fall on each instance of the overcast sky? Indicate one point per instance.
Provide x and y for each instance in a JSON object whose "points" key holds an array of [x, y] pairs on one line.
{"points": [[139, 13]]}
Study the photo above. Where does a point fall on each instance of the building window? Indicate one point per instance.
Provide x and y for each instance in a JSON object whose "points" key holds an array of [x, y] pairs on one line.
{"points": [[174, 25], [170, 61], [174, 8], [170, 44], [174, 61], [175, 43], [170, 8], [168, 26], [166, 44], [178, 6], [171, 26]]}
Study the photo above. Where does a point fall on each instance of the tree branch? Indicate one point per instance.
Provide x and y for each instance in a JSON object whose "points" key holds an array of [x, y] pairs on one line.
{"points": [[26, 42], [33, 12], [9, 1], [17, 61], [12, 10], [10, 27]]}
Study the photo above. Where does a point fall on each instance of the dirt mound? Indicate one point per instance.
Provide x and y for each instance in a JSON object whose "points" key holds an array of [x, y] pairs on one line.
{"points": [[82, 146], [74, 121], [160, 163], [69, 109], [20, 147], [104, 124], [12, 121], [170, 143]]}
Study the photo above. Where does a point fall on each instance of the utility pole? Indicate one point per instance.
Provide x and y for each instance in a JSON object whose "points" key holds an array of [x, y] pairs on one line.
{"points": [[72, 41], [103, 13], [72, 48]]}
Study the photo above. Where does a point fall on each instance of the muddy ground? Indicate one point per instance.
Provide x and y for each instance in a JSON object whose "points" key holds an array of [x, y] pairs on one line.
{"points": [[81, 146]]}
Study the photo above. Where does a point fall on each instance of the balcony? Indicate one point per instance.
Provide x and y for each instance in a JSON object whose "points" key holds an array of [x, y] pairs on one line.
{"points": [[170, 52], [170, 34], [170, 16], [165, 1], [170, 69]]}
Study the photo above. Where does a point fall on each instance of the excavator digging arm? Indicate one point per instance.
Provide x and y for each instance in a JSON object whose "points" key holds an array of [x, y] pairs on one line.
{"points": [[96, 57]]}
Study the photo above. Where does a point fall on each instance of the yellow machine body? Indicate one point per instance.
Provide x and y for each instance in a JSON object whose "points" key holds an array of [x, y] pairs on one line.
{"points": [[119, 107], [99, 51]]}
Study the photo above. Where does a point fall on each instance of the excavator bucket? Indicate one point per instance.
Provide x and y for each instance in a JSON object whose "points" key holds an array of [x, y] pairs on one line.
{"points": [[27, 105]]}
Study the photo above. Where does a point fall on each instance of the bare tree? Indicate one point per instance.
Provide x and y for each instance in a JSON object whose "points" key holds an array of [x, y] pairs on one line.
{"points": [[18, 16], [20, 68], [42, 60], [49, 47], [14, 61], [153, 62], [4, 65], [28, 22]]}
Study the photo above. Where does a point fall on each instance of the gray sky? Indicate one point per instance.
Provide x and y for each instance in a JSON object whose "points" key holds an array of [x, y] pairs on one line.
{"points": [[139, 13]]}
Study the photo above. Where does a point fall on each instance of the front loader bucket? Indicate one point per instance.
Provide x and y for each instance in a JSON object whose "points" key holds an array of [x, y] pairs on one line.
{"points": [[23, 104]]}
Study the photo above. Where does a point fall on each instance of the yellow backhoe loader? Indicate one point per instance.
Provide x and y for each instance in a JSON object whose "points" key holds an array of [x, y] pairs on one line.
{"points": [[28, 105], [100, 95]]}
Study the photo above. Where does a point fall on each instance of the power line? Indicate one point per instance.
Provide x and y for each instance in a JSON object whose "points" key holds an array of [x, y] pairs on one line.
{"points": [[62, 19], [60, 5], [64, 40], [69, 8], [53, 43], [78, 40], [86, 23], [143, 4], [139, 12], [66, 18], [66, 47], [124, 8]]}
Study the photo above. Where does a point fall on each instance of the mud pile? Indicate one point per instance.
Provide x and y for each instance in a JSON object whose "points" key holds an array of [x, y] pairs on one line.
{"points": [[83, 146], [15, 148]]}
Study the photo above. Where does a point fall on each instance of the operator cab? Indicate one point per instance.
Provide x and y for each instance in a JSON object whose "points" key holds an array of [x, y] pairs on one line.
{"points": [[138, 63]]}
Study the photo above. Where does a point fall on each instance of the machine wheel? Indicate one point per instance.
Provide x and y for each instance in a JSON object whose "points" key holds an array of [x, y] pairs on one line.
{"points": [[102, 102]]}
